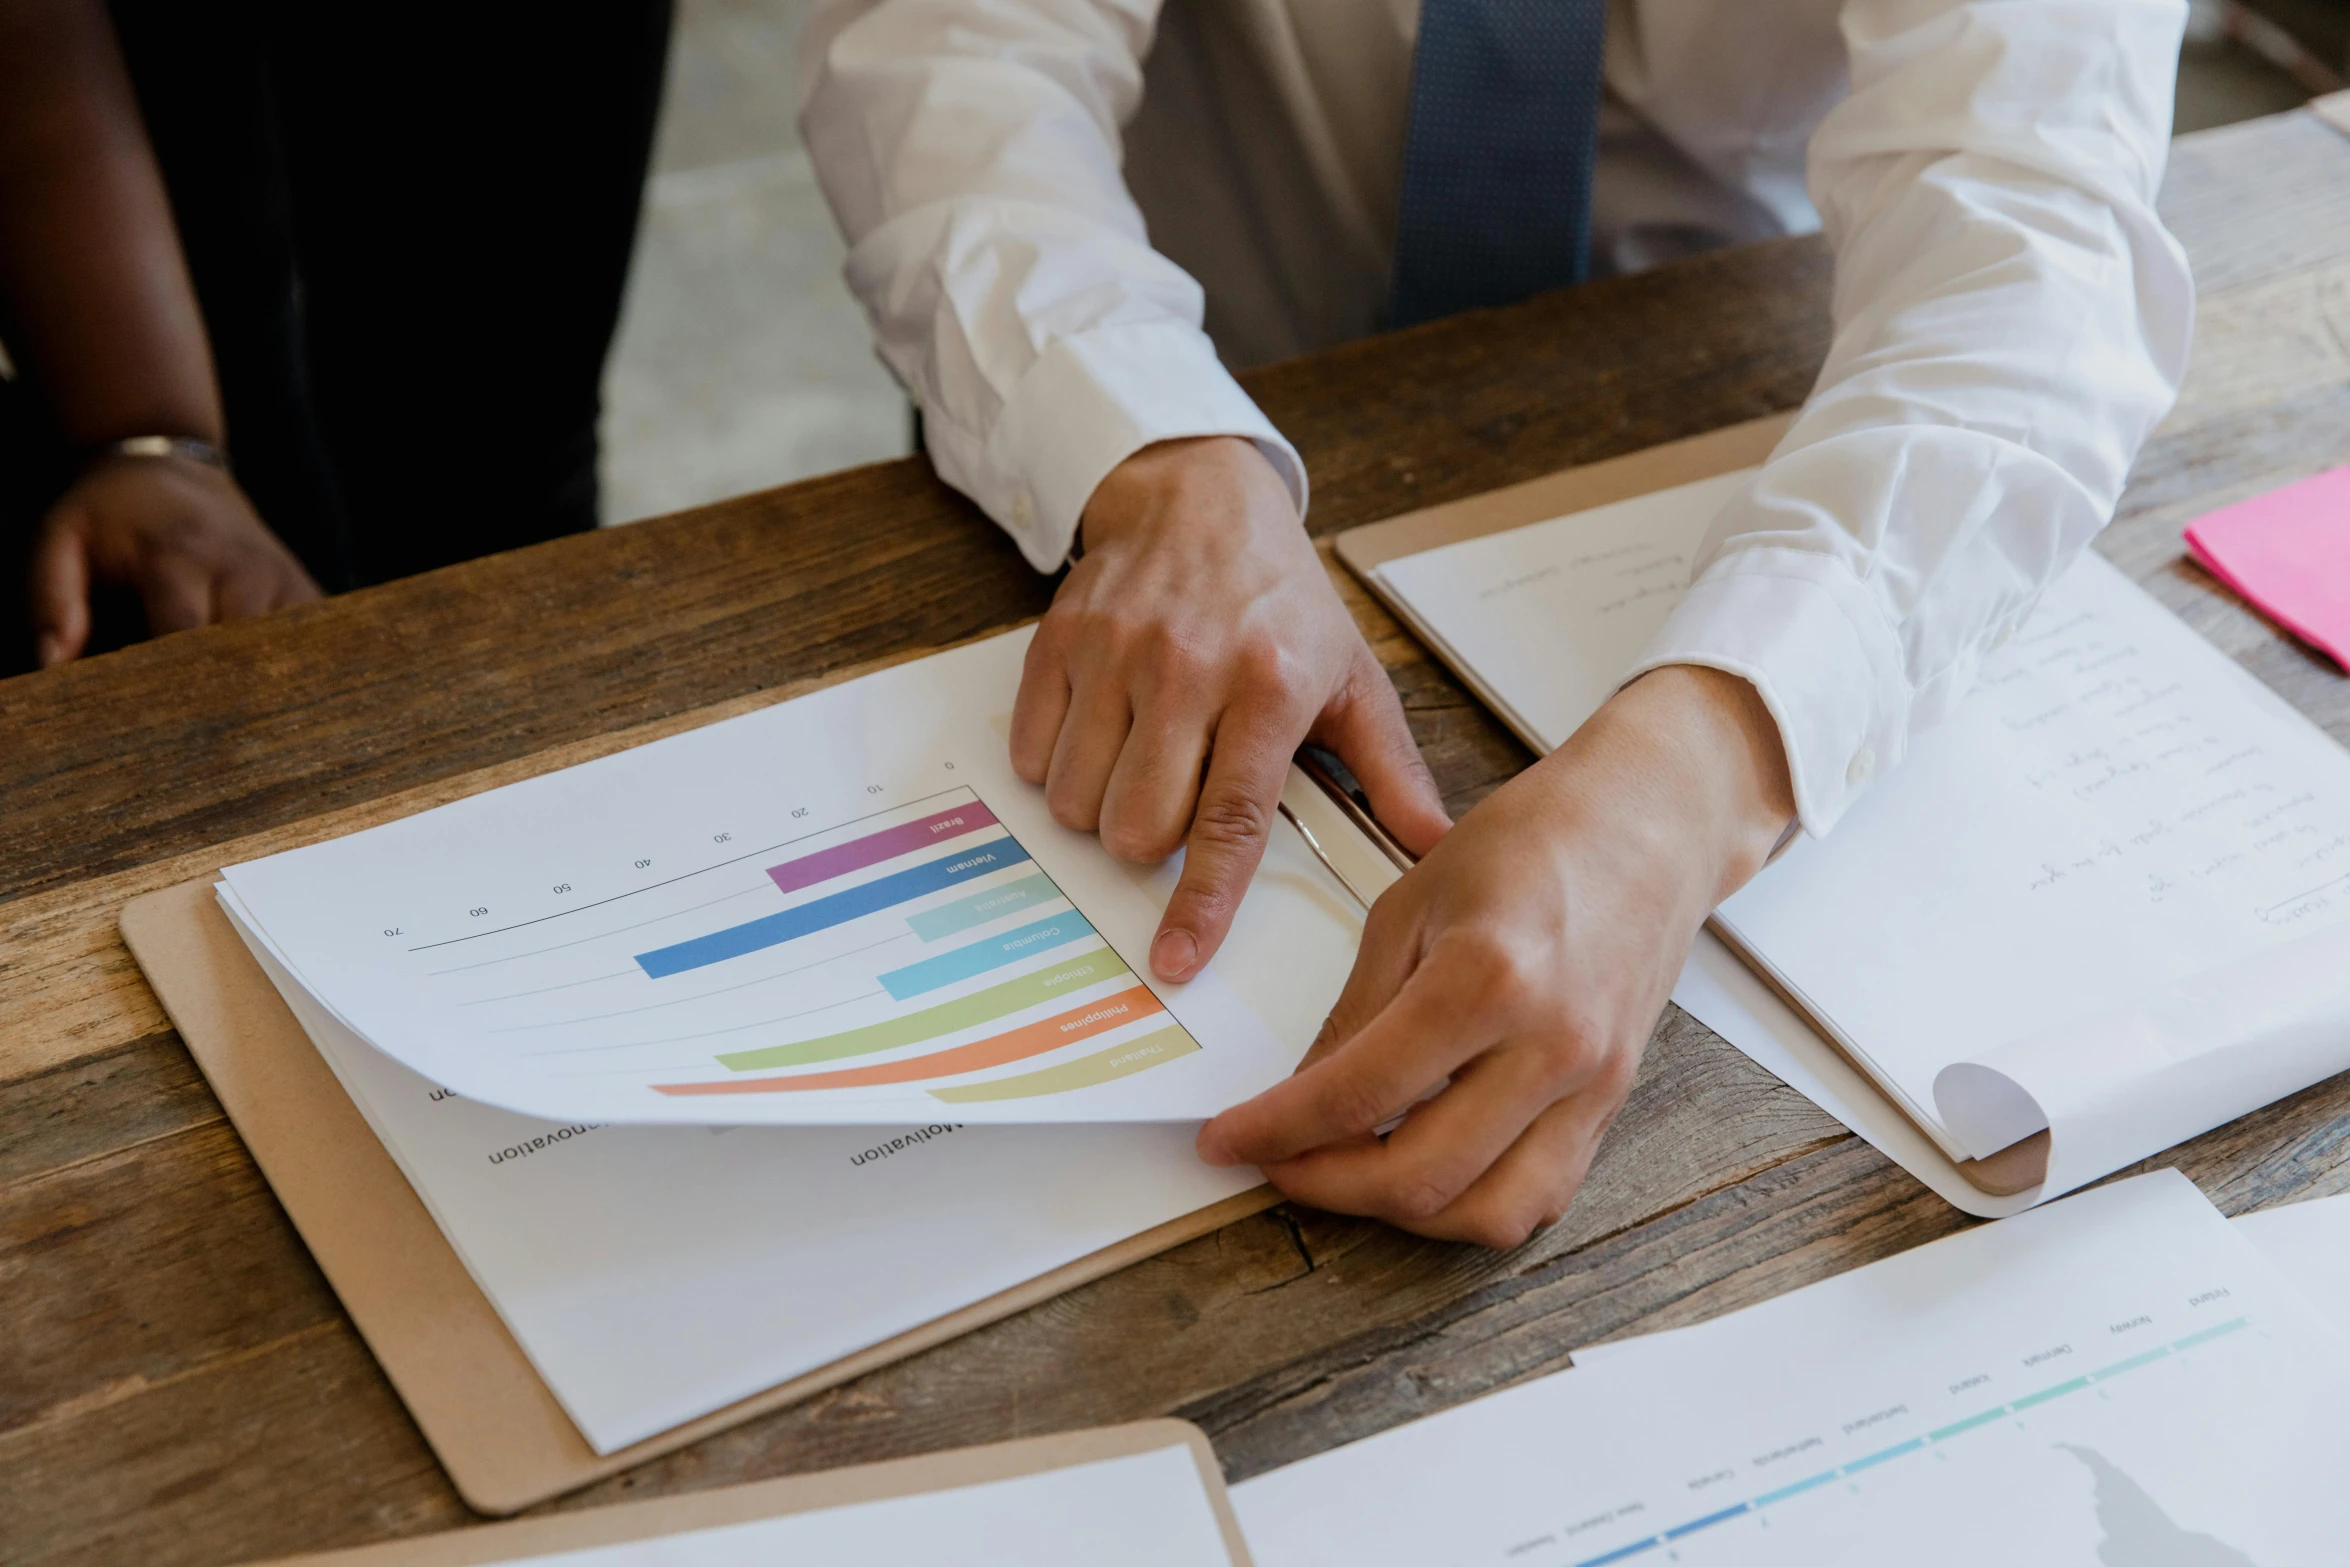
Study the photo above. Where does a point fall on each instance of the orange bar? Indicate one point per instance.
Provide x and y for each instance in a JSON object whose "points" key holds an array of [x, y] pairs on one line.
{"points": [[1033, 1039]]}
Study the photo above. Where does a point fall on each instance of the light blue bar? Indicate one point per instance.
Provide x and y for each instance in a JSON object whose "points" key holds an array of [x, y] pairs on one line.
{"points": [[1619, 1553], [2193, 1339], [1874, 1459], [1797, 1489], [1054, 930], [991, 903], [1708, 1521]]}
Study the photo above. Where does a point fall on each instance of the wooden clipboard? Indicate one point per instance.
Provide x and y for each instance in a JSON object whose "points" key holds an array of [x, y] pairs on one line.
{"points": [[631, 1521], [482, 1407], [1707, 456]]}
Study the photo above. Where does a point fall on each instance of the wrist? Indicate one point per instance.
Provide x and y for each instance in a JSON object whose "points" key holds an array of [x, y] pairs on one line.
{"points": [[1197, 482], [1692, 761], [1724, 744], [199, 450]]}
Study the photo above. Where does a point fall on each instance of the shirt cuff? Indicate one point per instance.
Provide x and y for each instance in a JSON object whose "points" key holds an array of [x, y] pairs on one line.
{"points": [[1090, 401], [1808, 635]]}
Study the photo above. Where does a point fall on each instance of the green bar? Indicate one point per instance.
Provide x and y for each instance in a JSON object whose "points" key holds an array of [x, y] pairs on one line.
{"points": [[982, 906], [982, 1006], [2193, 1339], [1103, 1066], [1985, 1418], [2047, 1393], [2131, 1364]]}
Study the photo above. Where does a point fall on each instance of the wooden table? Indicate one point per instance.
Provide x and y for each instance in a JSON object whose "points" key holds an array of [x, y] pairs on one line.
{"points": [[177, 1384]]}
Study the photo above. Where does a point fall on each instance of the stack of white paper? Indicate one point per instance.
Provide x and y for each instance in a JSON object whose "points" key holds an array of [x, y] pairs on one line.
{"points": [[2108, 897], [2121, 1377], [852, 882]]}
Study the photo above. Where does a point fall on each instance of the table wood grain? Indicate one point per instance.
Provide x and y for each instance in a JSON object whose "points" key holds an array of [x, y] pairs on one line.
{"points": [[177, 1384]]}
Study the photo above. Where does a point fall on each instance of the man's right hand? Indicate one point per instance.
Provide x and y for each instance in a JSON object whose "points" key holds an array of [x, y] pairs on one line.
{"points": [[1185, 659], [179, 532]]}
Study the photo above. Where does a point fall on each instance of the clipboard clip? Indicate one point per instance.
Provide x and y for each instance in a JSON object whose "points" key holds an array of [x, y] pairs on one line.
{"points": [[1356, 808]]}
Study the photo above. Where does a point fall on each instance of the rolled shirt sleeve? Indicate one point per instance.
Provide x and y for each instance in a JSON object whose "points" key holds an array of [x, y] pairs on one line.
{"points": [[970, 150], [2011, 321]]}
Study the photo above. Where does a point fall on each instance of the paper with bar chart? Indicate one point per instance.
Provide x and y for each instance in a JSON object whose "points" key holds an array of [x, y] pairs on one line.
{"points": [[2119, 1377], [844, 909]]}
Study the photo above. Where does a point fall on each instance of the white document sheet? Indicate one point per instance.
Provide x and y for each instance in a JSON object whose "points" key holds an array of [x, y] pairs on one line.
{"points": [[1143, 1510], [844, 909], [2139, 860], [656, 1273], [2308, 1242], [2120, 1377]]}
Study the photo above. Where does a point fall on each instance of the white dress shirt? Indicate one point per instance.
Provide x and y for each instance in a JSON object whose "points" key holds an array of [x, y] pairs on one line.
{"points": [[2011, 319]]}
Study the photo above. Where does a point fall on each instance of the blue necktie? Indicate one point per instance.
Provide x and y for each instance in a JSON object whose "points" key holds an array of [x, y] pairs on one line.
{"points": [[1497, 160]]}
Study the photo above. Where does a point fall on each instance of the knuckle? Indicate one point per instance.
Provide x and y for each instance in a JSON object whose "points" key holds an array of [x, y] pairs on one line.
{"points": [[1170, 658], [1354, 1103], [1502, 970], [1418, 1198], [1137, 843], [1266, 671], [1613, 1073], [1508, 1222], [1511, 1228], [1070, 807], [1230, 817]]}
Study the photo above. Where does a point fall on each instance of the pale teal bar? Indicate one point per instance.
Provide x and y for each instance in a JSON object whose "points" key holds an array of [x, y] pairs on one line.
{"points": [[1968, 1424], [2047, 1393], [2207, 1334], [982, 906], [2131, 1364]]}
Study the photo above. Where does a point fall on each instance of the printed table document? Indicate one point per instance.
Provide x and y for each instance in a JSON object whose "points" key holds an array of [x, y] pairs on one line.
{"points": [[2108, 895], [845, 909], [2119, 1377]]}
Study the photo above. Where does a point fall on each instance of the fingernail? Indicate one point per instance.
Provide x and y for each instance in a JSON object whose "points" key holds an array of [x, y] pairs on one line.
{"points": [[1211, 1147], [50, 649], [1174, 953]]}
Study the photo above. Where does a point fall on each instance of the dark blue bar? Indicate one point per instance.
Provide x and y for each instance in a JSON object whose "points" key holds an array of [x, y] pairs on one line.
{"points": [[838, 909], [1617, 1555], [1706, 1522]]}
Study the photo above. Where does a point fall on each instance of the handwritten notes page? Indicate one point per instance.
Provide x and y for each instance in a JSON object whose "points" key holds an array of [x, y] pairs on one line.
{"points": [[2119, 1377], [1546, 619], [2111, 895]]}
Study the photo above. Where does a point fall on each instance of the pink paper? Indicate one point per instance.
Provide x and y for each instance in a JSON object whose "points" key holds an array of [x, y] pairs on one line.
{"points": [[2288, 552]]}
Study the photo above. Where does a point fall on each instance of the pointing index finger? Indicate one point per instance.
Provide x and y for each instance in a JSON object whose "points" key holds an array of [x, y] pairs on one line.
{"points": [[1247, 768]]}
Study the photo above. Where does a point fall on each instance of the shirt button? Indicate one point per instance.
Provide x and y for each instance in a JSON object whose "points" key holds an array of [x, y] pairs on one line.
{"points": [[1864, 763]]}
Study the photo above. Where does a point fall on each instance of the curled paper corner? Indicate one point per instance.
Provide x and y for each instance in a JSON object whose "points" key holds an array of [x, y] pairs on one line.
{"points": [[1999, 1123]]}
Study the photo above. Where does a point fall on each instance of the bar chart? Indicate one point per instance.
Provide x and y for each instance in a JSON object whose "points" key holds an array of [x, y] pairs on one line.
{"points": [[843, 909], [900, 914]]}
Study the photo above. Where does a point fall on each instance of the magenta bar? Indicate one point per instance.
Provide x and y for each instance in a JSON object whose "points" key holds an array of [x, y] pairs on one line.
{"points": [[873, 848]]}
